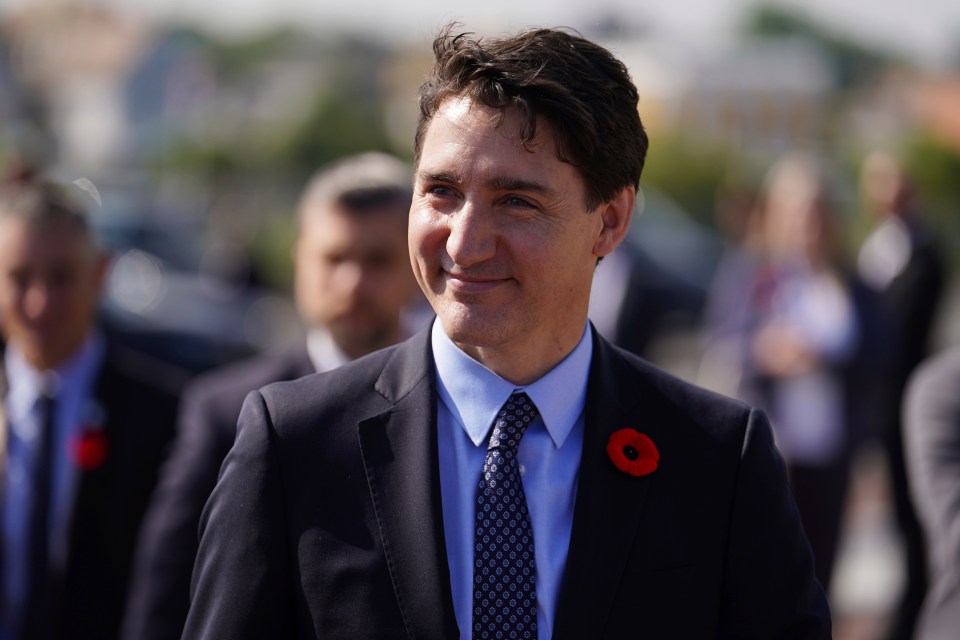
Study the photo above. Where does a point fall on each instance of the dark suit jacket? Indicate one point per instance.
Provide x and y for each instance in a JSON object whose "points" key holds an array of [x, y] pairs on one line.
{"points": [[138, 397], [326, 521], [160, 590], [932, 443]]}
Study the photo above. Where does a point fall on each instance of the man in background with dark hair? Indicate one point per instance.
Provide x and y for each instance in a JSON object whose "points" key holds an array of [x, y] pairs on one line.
{"points": [[352, 280], [83, 426], [507, 472]]}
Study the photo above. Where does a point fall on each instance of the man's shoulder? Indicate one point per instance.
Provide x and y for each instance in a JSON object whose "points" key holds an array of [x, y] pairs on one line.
{"points": [[640, 379], [942, 367], [353, 391], [343, 384], [936, 380], [239, 378], [126, 370]]}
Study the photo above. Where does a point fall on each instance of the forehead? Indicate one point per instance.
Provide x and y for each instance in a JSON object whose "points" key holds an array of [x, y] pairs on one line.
{"points": [[26, 241], [476, 137], [328, 223]]}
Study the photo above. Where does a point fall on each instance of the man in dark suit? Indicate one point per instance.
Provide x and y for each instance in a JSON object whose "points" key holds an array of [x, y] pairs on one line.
{"points": [[901, 262], [352, 280], [932, 443], [83, 426], [507, 472]]}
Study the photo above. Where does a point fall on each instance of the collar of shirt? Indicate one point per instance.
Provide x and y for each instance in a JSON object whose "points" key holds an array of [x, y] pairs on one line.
{"points": [[323, 351], [72, 378], [474, 394]]}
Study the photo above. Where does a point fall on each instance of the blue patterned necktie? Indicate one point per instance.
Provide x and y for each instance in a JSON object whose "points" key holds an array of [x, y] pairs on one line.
{"points": [[504, 568]]}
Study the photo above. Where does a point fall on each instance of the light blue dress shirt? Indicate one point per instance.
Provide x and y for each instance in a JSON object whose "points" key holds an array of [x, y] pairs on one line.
{"points": [[549, 454], [72, 385]]}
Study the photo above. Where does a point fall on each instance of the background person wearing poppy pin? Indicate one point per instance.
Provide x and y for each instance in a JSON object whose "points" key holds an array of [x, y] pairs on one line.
{"points": [[85, 425], [357, 503]]}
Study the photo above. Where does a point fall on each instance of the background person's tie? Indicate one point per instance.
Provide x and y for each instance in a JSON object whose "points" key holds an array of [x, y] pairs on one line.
{"points": [[504, 568], [37, 622]]}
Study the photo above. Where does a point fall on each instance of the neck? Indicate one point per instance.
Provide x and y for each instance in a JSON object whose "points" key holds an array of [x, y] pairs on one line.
{"points": [[523, 366]]}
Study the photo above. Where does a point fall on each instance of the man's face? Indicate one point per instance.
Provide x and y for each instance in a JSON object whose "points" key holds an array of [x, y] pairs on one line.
{"points": [[881, 184], [353, 275], [50, 280], [501, 241]]}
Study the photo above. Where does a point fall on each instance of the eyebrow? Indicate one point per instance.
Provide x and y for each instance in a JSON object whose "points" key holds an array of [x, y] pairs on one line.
{"points": [[499, 183], [440, 176]]}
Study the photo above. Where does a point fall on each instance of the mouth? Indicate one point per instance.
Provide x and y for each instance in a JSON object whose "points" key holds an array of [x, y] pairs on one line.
{"points": [[464, 284]]}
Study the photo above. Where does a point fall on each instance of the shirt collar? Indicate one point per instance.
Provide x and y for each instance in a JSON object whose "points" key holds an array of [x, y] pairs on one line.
{"points": [[324, 353], [474, 394], [26, 383]]}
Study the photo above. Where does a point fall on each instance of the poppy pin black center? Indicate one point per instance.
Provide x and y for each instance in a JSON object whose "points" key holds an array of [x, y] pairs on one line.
{"points": [[630, 453]]}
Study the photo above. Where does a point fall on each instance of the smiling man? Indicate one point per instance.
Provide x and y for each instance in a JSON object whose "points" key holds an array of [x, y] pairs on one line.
{"points": [[507, 473]]}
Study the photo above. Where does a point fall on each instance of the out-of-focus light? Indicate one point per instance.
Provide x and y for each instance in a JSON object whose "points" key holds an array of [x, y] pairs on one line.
{"points": [[137, 281]]}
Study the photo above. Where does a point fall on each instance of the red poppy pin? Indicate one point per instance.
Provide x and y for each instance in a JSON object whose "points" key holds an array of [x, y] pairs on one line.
{"points": [[632, 452], [89, 447]]}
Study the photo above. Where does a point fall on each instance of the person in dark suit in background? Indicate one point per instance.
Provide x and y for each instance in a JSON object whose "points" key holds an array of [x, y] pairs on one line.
{"points": [[83, 426], [932, 444], [613, 500], [901, 262], [352, 279]]}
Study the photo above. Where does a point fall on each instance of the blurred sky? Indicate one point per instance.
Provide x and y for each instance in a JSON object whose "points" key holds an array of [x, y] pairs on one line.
{"points": [[926, 29]]}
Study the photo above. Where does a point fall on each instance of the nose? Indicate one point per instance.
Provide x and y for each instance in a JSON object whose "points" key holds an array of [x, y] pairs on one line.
{"points": [[350, 276], [471, 238], [36, 301]]}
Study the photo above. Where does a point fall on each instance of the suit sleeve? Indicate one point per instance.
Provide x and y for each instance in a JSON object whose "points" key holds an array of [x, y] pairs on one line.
{"points": [[770, 589], [160, 589], [241, 584], [932, 441]]}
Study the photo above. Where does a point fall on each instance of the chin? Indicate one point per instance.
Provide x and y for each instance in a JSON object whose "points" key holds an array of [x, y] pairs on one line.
{"points": [[475, 332]]}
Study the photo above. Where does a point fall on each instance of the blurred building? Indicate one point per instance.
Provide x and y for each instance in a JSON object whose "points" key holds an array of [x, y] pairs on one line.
{"points": [[903, 101], [761, 97], [73, 58]]}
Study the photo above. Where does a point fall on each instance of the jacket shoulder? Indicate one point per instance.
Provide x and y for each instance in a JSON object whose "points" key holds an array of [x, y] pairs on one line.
{"points": [[345, 394], [231, 383], [674, 398]]}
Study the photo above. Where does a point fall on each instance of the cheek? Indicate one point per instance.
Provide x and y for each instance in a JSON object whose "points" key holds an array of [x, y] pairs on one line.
{"points": [[426, 236]]}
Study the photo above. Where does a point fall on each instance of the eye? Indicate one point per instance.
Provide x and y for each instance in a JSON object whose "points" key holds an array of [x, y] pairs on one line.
{"points": [[439, 190], [19, 278], [517, 201]]}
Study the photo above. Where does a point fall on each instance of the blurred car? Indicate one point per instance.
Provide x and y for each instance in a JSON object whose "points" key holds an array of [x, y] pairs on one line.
{"points": [[187, 299]]}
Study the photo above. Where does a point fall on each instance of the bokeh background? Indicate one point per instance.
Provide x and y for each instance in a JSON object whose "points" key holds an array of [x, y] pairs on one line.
{"points": [[198, 123]]}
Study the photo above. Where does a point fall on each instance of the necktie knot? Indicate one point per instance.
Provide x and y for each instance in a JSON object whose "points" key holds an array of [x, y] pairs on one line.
{"points": [[515, 416]]}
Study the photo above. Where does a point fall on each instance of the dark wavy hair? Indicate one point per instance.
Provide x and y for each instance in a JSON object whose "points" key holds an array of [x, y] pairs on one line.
{"points": [[578, 87]]}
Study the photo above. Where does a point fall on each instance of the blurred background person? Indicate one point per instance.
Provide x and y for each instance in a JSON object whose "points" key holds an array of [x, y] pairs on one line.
{"points": [[352, 282], [932, 446], [782, 332], [901, 262], [84, 425]]}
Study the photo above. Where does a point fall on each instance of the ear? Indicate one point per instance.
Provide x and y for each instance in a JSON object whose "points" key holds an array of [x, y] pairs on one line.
{"points": [[615, 216]]}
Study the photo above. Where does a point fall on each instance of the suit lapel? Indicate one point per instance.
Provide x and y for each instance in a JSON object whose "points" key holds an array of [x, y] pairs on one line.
{"points": [[399, 450], [609, 502], [91, 485]]}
